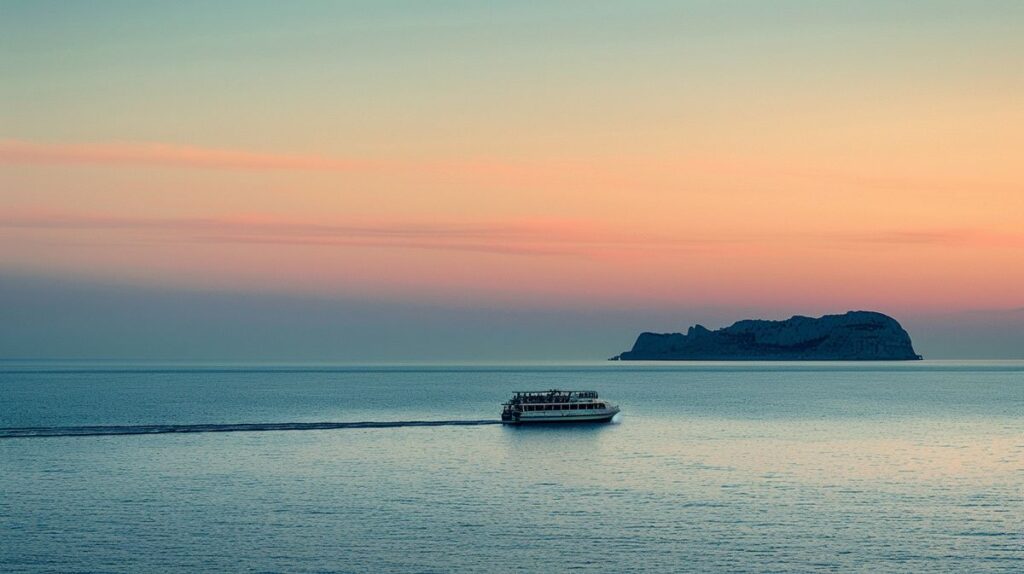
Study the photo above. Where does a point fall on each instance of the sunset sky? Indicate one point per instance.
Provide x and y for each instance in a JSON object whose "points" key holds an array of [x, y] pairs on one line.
{"points": [[390, 181]]}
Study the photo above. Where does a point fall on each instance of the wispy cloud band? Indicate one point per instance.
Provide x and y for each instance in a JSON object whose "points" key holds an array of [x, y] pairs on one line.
{"points": [[162, 154], [522, 237], [625, 173], [540, 237]]}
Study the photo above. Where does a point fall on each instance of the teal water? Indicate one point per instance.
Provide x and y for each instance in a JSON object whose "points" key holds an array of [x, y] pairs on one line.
{"points": [[717, 467]]}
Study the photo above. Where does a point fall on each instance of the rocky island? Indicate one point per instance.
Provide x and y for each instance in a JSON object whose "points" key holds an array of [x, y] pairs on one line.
{"points": [[852, 336]]}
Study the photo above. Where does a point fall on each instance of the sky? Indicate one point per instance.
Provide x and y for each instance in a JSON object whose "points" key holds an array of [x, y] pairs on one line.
{"points": [[405, 181]]}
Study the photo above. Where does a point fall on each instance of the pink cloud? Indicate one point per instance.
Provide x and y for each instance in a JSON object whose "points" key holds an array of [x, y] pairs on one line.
{"points": [[521, 237], [154, 154], [620, 174], [515, 237], [930, 237]]}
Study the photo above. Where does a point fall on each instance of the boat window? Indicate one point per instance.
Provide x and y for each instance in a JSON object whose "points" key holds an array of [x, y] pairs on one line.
{"points": [[600, 405]]}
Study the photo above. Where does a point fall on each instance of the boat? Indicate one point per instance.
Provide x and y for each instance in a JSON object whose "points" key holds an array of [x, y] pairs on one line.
{"points": [[557, 406]]}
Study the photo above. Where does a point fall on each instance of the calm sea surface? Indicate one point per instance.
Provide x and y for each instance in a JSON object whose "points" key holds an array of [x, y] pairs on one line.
{"points": [[718, 467]]}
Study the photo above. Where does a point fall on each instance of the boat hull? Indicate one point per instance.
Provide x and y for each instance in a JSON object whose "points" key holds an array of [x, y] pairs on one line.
{"points": [[590, 418]]}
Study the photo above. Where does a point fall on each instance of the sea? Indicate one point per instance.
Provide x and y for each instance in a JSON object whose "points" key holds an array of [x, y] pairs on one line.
{"points": [[710, 467]]}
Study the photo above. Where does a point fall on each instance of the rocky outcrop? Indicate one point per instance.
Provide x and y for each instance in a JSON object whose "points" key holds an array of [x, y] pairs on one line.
{"points": [[852, 336]]}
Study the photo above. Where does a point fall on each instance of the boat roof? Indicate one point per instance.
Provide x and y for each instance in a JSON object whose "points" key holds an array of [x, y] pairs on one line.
{"points": [[551, 392], [557, 392]]}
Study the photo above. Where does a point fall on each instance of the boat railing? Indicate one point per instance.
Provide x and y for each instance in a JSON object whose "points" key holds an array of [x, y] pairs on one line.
{"points": [[553, 395]]}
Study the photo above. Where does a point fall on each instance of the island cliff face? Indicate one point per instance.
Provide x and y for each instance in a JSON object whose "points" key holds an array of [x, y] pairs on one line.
{"points": [[852, 336]]}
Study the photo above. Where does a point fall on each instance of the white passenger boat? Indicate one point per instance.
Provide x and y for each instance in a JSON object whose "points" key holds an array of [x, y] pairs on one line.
{"points": [[556, 406]]}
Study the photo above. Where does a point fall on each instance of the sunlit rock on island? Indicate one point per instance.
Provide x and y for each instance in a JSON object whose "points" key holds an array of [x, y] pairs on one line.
{"points": [[852, 336]]}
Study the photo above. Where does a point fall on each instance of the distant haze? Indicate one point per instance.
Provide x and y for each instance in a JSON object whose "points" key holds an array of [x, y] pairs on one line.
{"points": [[381, 181], [52, 319]]}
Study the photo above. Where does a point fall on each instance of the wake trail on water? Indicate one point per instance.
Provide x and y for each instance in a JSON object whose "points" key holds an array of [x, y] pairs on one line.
{"points": [[41, 432]]}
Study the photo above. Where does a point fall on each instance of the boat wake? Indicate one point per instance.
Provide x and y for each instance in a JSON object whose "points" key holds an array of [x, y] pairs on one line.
{"points": [[41, 432]]}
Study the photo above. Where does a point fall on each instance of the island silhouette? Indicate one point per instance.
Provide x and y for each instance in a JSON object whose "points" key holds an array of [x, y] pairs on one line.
{"points": [[852, 336]]}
